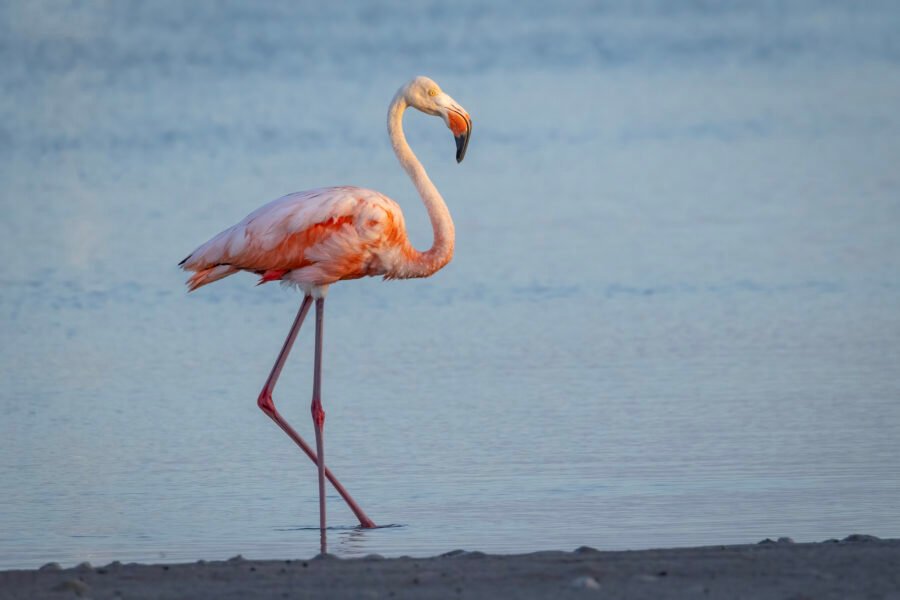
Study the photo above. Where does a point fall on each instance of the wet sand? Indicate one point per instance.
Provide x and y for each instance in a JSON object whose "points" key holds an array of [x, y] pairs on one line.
{"points": [[856, 567]]}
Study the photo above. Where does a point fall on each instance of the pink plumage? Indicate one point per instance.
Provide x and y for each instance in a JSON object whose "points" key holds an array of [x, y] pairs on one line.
{"points": [[311, 238]]}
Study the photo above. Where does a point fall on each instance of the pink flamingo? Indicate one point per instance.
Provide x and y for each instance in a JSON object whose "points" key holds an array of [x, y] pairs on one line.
{"points": [[315, 238]]}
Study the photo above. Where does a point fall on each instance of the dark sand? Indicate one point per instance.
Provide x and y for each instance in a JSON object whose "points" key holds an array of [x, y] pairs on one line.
{"points": [[857, 567]]}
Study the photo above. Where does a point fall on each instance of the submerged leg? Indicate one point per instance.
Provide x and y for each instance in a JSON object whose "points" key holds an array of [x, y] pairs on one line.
{"points": [[268, 406], [318, 416]]}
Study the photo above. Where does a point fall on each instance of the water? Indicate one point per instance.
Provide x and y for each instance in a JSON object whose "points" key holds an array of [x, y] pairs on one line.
{"points": [[672, 318]]}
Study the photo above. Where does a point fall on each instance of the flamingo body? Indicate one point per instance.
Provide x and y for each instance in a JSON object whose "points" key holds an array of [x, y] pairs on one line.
{"points": [[311, 239]]}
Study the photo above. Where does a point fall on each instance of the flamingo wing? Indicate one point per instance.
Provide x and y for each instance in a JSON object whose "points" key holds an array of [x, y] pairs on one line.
{"points": [[315, 237]]}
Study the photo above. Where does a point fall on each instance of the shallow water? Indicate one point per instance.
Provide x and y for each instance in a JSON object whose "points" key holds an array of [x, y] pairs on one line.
{"points": [[672, 317]]}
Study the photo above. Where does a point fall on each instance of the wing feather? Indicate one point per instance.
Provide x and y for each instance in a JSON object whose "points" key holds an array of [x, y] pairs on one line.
{"points": [[297, 230]]}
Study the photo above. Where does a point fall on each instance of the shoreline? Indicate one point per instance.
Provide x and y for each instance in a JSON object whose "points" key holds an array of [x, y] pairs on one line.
{"points": [[856, 567]]}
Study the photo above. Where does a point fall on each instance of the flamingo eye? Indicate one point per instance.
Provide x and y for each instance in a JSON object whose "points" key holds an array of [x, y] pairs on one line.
{"points": [[432, 92]]}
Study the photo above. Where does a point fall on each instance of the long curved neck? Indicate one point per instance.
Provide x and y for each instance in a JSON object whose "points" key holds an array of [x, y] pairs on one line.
{"points": [[421, 264]]}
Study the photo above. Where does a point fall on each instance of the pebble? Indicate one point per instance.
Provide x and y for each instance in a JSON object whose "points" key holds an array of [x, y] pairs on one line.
{"points": [[236, 558], [84, 566], [785, 540], [325, 556], [72, 585], [585, 582], [860, 537], [585, 550], [50, 566], [464, 554], [373, 557]]}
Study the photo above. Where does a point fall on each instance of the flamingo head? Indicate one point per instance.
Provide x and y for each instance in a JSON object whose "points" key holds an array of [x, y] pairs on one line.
{"points": [[425, 95]]}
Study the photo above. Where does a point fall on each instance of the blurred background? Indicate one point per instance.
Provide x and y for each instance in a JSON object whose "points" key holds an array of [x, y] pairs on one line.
{"points": [[672, 317]]}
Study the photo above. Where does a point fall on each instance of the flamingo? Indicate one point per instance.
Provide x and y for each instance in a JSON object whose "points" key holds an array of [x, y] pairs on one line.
{"points": [[318, 237]]}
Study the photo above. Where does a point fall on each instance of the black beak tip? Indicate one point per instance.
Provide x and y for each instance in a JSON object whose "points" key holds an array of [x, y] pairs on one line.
{"points": [[462, 142]]}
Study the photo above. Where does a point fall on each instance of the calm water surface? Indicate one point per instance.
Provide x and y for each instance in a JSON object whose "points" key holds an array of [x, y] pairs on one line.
{"points": [[673, 317]]}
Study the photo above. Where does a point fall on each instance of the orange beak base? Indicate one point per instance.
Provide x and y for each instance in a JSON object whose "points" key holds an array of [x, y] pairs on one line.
{"points": [[461, 126]]}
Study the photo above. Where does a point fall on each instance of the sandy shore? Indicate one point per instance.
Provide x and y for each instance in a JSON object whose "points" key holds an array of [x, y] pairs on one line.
{"points": [[857, 567]]}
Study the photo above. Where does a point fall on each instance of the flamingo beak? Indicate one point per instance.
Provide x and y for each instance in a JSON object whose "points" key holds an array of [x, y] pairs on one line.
{"points": [[461, 126]]}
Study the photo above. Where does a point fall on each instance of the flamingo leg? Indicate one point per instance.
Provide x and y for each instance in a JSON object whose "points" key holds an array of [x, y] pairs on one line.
{"points": [[318, 416], [267, 405]]}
